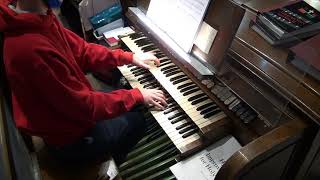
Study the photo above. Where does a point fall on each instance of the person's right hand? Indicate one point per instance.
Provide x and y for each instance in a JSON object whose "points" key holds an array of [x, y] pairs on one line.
{"points": [[155, 98]]}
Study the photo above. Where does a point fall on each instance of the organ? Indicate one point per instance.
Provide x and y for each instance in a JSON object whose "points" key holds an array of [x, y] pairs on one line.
{"points": [[243, 87]]}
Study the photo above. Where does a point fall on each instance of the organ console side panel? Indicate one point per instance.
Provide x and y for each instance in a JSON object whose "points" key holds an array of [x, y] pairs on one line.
{"points": [[269, 156]]}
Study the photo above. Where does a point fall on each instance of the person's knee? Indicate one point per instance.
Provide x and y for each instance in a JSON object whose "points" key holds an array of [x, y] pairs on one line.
{"points": [[139, 118]]}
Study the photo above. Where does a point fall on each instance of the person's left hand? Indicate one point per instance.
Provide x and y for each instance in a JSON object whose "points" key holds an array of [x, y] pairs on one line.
{"points": [[144, 60]]}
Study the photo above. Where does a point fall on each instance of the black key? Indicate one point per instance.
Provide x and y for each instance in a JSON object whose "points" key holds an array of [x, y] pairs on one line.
{"points": [[146, 76], [164, 60], [196, 97], [147, 80], [171, 105], [176, 115], [186, 129], [180, 80], [169, 70], [170, 100], [165, 63], [183, 125], [151, 85], [199, 100], [136, 36], [167, 111], [145, 44], [149, 48], [208, 110], [178, 77], [157, 51], [140, 73], [153, 82], [130, 65], [149, 51], [160, 55], [205, 106], [142, 40], [173, 73], [185, 85], [191, 91], [138, 70], [168, 67], [155, 86], [192, 86], [211, 113], [179, 119], [135, 69], [190, 133]]}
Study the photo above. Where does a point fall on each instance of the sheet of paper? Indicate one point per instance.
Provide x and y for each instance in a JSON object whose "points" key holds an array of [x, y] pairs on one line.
{"points": [[180, 19], [206, 164], [117, 32], [205, 37]]}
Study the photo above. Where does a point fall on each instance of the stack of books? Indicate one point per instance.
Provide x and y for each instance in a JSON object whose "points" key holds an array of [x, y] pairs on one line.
{"points": [[112, 37], [289, 24]]}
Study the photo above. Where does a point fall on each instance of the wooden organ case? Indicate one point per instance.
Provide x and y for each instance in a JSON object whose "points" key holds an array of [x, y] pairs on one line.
{"points": [[251, 93]]}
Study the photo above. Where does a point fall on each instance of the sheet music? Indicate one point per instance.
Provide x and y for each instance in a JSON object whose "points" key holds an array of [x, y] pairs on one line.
{"points": [[205, 37], [206, 164], [180, 19]]}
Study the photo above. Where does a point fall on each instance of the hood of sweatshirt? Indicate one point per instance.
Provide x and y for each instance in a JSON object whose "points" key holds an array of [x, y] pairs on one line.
{"points": [[11, 21]]}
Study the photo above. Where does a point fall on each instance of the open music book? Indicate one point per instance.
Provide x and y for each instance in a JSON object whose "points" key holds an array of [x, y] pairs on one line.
{"points": [[206, 164], [170, 43]]}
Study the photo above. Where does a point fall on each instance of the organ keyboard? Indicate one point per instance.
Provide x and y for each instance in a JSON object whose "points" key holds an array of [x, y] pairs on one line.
{"points": [[189, 109]]}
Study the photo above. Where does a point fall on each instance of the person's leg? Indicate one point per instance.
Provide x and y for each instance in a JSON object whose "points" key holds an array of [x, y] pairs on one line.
{"points": [[124, 133], [116, 137]]}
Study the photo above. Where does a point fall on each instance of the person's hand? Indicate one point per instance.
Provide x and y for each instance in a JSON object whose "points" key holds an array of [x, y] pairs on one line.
{"points": [[144, 60], [153, 97]]}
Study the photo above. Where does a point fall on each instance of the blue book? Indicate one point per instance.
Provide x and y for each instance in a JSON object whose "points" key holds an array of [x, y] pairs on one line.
{"points": [[106, 16]]}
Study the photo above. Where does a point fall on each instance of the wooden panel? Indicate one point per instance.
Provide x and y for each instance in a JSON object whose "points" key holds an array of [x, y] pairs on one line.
{"points": [[261, 149]]}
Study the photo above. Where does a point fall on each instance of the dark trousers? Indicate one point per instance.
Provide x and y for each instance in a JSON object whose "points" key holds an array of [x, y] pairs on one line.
{"points": [[115, 137]]}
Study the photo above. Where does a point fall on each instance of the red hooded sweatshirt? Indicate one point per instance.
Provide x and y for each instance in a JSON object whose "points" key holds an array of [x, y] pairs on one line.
{"points": [[45, 65]]}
